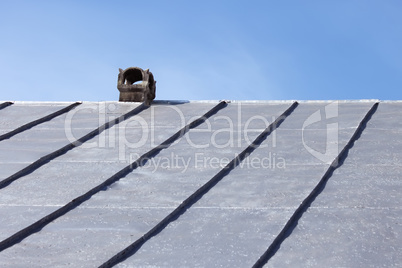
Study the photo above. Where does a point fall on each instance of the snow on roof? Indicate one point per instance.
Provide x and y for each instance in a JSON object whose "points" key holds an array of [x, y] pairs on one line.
{"points": [[201, 183]]}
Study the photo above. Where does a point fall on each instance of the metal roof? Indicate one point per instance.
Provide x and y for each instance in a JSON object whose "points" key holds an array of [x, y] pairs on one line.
{"points": [[206, 183]]}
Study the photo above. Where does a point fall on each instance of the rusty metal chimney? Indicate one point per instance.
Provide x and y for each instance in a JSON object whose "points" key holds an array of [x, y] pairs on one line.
{"points": [[136, 85]]}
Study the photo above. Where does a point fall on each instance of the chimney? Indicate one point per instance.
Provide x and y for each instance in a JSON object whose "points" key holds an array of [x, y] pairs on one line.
{"points": [[136, 85]]}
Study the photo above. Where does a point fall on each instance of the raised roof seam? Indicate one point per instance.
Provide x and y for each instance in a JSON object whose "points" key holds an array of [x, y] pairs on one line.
{"points": [[5, 104], [296, 216], [38, 121], [38, 225], [45, 159], [199, 193]]}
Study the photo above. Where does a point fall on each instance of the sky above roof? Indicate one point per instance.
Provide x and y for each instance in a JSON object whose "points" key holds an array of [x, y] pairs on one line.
{"points": [[200, 50]]}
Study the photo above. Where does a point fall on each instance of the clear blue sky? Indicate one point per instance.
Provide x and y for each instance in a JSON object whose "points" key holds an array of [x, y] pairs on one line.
{"points": [[200, 50]]}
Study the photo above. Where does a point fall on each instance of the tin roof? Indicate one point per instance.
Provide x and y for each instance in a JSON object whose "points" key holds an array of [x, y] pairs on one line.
{"points": [[206, 183]]}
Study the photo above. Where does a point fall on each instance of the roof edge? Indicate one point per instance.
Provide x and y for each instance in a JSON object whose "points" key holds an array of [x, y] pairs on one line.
{"points": [[211, 101]]}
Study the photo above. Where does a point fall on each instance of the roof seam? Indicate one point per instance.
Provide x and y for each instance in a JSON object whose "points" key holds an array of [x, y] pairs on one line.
{"points": [[47, 158], [199, 193], [38, 121], [38, 225], [296, 216], [5, 104]]}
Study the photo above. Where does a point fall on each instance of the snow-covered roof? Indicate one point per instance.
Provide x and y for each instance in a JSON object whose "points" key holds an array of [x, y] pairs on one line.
{"points": [[201, 183]]}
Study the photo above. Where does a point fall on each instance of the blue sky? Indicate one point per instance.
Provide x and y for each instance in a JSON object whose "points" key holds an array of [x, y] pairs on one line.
{"points": [[202, 50]]}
